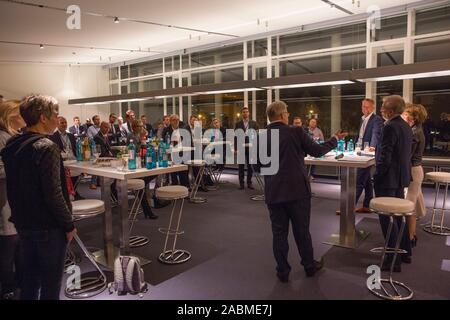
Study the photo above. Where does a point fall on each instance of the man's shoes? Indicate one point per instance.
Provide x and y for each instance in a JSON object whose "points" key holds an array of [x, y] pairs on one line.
{"points": [[317, 265], [250, 187], [202, 189], [283, 277], [406, 259], [93, 186], [363, 210], [338, 212], [151, 216]]}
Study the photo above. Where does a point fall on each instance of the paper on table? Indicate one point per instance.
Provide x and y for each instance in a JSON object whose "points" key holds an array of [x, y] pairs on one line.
{"points": [[353, 157]]}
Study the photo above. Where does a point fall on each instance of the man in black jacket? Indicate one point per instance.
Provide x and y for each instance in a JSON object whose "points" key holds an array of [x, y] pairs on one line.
{"points": [[172, 132], [288, 192], [102, 139], [67, 144], [246, 124], [37, 193], [393, 170], [78, 130]]}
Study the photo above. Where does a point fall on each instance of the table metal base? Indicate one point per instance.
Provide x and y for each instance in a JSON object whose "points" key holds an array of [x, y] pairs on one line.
{"points": [[335, 240], [99, 257], [444, 231], [138, 241], [397, 288], [259, 197], [178, 256], [197, 200]]}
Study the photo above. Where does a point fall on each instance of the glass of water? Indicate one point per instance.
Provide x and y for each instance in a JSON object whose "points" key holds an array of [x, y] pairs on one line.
{"points": [[366, 146]]}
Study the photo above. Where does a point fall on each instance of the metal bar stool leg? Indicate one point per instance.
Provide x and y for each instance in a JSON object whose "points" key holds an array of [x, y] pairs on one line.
{"points": [[193, 195], [88, 286], [432, 227], [137, 241], [174, 256]]}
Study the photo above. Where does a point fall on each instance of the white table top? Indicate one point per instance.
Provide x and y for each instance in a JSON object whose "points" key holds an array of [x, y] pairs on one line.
{"points": [[110, 172], [352, 161]]}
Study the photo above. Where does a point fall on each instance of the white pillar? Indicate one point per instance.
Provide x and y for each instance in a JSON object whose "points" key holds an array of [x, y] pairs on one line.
{"points": [[408, 55], [164, 85], [218, 98], [336, 89]]}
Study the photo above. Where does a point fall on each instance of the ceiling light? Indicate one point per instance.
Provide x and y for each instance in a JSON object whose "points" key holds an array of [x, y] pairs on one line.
{"points": [[312, 84], [409, 76], [41, 46], [116, 20]]}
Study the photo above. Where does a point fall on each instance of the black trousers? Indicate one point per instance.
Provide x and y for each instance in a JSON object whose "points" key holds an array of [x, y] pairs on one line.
{"points": [[249, 169], [43, 254], [180, 178], [298, 213], [9, 263], [405, 243], [144, 204], [363, 182]]}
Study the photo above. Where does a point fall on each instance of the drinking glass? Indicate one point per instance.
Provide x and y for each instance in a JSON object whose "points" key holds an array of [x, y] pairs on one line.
{"points": [[366, 146]]}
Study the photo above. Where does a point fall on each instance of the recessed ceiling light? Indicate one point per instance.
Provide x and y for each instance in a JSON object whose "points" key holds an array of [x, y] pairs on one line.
{"points": [[41, 46], [116, 20]]}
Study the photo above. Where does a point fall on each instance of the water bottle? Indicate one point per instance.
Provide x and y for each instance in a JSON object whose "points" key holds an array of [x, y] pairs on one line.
{"points": [[340, 146], [350, 146], [131, 156], [92, 146], [160, 154], [79, 150], [165, 156], [150, 157]]}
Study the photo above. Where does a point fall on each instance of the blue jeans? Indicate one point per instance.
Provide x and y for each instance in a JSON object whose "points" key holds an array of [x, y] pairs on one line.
{"points": [[43, 255]]}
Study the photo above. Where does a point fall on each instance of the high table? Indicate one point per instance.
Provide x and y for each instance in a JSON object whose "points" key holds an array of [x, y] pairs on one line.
{"points": [[349, 236], [107, 175]]}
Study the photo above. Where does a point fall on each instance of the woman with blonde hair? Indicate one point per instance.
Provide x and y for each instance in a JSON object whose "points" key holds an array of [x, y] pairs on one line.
{"points": [[415, 115], [10, 124]]}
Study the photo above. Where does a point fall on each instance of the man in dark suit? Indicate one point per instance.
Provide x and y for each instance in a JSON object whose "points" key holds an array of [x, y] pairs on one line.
{"points": [[77, 129], [246, 124], [171, 131], [102, 139], [66, 142], [369, 132], [147, 126], [288, 191], [393, 171], [114, 133]]}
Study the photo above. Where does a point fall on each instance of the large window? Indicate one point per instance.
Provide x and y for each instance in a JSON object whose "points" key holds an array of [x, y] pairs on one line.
{"points": [[434, 95], [434, 20]]}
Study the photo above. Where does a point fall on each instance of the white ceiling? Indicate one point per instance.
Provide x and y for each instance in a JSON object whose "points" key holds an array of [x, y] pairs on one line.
{"points": [[238, 17]]}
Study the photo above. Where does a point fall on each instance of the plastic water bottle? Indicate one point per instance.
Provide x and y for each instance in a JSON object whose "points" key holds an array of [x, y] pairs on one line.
{"points": [[340, 146], [131, 156], [79, 150], [161, 151], [92, 146], [150, 161], [350, 146]]}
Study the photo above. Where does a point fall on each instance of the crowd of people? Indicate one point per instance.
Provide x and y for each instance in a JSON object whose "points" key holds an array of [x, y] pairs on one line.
{"points": [[36, 207]]}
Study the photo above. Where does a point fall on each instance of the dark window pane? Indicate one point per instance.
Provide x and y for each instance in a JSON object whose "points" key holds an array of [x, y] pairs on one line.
{"points": [[434, 95], [434, 20], [392, 28], [432, 51], [390, 58]]}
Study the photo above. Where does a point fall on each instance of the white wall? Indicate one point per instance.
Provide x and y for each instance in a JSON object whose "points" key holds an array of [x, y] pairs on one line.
{"points": [[61, 82]]}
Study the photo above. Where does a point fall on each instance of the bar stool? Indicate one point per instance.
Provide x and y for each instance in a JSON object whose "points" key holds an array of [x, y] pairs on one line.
{"points": [[198, 180], [260, 182], [392, 207], [438, 178], [173, 256], [89, 285], [137, 187]]}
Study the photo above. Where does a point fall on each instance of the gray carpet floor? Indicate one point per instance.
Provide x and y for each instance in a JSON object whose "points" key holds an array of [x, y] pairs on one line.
{"points": [[230, 240]]}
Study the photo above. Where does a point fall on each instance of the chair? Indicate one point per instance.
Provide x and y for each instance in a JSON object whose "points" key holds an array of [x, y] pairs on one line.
{"points": [[440, 178], [173, 255], [198, 179], [391, 207]]}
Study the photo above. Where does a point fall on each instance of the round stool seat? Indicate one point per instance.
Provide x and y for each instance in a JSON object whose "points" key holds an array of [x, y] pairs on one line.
{"points": [[172, 192], [438, 176], [196, 163], [392, 206], [135, 184], [89, 207]]}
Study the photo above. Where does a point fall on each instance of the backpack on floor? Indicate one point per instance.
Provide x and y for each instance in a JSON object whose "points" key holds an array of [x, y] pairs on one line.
{"points": [[128, 276]]}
